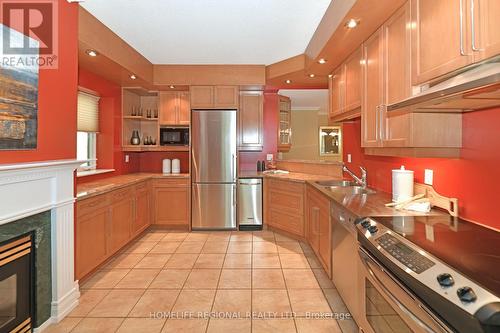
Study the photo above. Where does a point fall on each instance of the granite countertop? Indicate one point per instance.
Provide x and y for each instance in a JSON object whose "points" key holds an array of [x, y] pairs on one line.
{"points": [[86, 190], [298, 177], [250, 174]]}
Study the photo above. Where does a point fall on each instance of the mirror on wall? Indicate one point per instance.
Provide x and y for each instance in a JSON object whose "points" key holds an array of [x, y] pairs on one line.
{"points": [[309, 118]]}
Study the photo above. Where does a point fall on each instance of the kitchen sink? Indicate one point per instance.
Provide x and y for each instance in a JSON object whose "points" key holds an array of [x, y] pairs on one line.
{"points": [[336, 183], [345, 186]]}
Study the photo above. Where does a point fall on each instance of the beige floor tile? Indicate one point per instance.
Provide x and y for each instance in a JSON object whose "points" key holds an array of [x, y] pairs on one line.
{"points": [[235, 279], [190, 247], [241, 237], [272, 301], [300, 279], [264, 235], [98, 325], [165, 247], [239, 247], [124, 260], [267, 279], [139, 247], [282, 238], [170, 279], [273, 326], [89, 298], [137, 278], [238, 260], [105, 279], [195, 325], [223, 236], [153, 260], [209, 260], [64, 326], [175, 236], [142, 325], [214, 247], [289, 248], [197, 237], [117, 303], [308, 301], [152, 237], [293, 261], [202, 279], [182, 261], [322, 278], [237, 302], [229, 326], [264, 247], [265, 260], [317, 325], [154, 301], [194, 301]]}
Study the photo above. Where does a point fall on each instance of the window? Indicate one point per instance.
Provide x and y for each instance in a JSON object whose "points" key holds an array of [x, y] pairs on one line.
{"points": [[88, 126]]}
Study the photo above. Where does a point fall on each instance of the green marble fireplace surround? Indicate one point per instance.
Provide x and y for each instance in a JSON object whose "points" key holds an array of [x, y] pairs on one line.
{"points": [[40, 224]]}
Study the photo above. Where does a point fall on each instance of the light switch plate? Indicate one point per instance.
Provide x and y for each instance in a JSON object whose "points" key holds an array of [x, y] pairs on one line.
{"points": [[127, 158], [269, 157], [349, 158], [428, 176]]}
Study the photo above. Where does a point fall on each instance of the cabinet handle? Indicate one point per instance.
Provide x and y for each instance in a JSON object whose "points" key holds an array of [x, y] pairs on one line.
{"points": [[473, 27], [462, 51]]}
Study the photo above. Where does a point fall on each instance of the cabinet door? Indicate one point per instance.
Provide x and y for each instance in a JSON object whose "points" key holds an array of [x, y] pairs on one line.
{"points": [[184, 109], [142, 210], [202, 97], [372, 69], [336, 99], [122, 216], [352, 81], [90, 241], [250, 117], [397, 79], [440, 38], [486, 26], [226, 97], [285, 124], [312, 232], [169, 106], [171, 205]]}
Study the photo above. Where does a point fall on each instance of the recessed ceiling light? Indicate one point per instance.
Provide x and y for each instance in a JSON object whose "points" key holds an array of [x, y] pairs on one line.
{"points": [[172, 87], [133, 77], [352, 23], [288, 81], [322, 61], [312, 75], [330, 75], [91, 53]]}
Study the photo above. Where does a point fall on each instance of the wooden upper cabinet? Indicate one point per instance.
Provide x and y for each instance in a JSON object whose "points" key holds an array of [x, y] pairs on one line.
{"points": [[226, 97], [250, 121], [352, 81], [486, 24], [440, 38], [372, 68], [202, 97], [184, 109], [335, 86], [285, 123], [175, 108]]}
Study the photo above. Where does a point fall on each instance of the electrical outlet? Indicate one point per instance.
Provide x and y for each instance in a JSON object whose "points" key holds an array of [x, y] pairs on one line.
{"points": [[269, 157], [349, 158], [127, 158], [428, 176]]}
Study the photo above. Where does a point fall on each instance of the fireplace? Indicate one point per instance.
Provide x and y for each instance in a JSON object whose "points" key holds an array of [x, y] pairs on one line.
{"points": [[17, 284]]}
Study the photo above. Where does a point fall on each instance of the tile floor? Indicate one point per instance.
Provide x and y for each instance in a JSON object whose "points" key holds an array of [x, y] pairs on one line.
{"points": [[257, 281]]}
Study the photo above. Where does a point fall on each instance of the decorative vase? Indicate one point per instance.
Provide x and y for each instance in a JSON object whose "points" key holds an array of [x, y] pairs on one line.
{"points": [[135, 140]]}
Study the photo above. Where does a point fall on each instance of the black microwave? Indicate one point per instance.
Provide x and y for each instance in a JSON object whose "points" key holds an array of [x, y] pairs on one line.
{"points": [[174, 136]]}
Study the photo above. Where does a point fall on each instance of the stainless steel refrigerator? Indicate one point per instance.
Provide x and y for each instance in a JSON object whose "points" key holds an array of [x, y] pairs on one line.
{"points": [[213, 169]]}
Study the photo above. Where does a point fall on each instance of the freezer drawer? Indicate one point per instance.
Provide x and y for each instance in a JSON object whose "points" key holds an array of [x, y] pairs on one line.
{"points": [[250, 203], [213, 206]]}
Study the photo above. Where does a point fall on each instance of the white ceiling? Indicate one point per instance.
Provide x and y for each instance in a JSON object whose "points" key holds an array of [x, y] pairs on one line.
{"points": [[212, 31], [307, 99]]}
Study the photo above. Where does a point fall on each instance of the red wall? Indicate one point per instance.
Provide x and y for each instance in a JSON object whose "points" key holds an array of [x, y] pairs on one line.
{"points": [[472, 178], [56, 98], [248, 160]]}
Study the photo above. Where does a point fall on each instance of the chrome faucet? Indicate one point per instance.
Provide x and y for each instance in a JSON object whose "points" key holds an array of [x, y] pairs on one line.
{"points": [[361, 181]]}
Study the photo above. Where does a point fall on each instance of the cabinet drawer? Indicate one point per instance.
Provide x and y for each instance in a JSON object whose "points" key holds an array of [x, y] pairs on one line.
{"points": [[285, 185], [121, 194], [287, 222], [90, 205], [169, 182]]}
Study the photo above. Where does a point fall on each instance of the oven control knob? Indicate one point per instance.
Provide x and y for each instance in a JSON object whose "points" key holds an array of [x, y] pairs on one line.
{"points": [[445, 280], [365, 224], [466, 294], [372, 229]]}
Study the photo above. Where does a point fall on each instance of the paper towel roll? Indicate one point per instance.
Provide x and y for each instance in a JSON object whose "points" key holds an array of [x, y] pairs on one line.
{"points": [[176, 166], [402, 184], [166, 166]]}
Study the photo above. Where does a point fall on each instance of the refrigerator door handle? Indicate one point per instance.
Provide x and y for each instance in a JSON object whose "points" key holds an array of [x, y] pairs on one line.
{"points": [[233, 167], [234, 195]]}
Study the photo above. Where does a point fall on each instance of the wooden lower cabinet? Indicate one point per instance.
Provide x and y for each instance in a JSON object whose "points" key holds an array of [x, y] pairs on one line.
{"points": [[318, 227], [171, 202], [143, 206]]}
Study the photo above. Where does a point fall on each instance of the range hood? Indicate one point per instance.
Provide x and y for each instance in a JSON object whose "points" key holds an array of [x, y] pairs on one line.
{"points": [[475, 89]]}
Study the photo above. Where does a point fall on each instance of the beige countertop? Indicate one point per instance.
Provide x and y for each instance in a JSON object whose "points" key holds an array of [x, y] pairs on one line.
{"points": [[102, 186], [298, 177]]}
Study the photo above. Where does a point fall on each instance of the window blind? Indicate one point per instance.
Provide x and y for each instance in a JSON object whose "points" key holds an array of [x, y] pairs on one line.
{"points": [[88, 112]]}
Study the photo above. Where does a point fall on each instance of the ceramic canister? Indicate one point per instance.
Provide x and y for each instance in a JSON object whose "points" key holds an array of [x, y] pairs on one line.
{"points": [[402, 184], [167, 167], [176, 166]]}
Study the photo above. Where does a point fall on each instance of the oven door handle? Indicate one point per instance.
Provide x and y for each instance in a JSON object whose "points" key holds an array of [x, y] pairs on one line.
{"points": [[366, 259]]}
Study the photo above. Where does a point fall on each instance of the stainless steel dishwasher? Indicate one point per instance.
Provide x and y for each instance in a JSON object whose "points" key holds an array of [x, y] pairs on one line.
{"points": [[250, 203]]}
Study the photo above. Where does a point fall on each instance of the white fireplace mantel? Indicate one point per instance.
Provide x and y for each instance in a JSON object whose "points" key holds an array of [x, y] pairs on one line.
{"points": [[30, 188]]}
